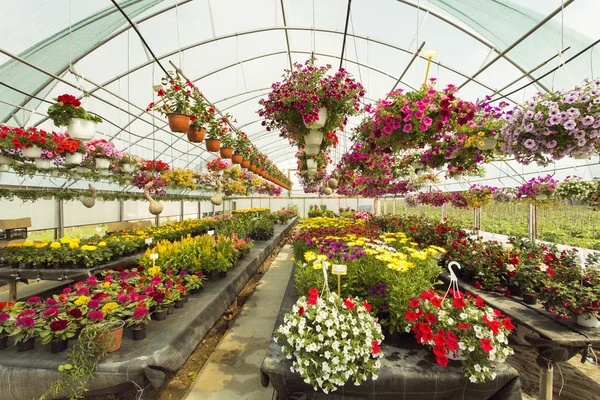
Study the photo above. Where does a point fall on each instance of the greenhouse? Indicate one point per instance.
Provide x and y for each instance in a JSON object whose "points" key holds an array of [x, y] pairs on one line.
{"points": [[299, 199]]}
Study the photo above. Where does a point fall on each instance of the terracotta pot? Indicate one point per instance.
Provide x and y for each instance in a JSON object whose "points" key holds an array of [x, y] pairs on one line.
{"points": [[253, 168], [112, 339], [178, 122], [237, 158], [226, 152], [245, 164], [213, 144], [195, 135]]}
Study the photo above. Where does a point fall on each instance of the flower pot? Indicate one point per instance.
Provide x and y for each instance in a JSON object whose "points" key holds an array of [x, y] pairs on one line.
{"points": [[74, 159], [160, 315], [541, 197], [4, 168], [102, 163], [195, 135], [58, 346], [3, 342], [104, 172], [222, 274], [487, 143], [81, 129], [214, 275], [253, 168], [178, 122], [5, 160], [42, 163], [171, 309], [584, 156], [83, 170], [529, 299], [226, 152], [139, 334], [26, 345], [311, 164], [212, 144], [186, 299], [312, 150], [589, 322], [195, 291], [127, 168], [32, 152], [237, 158], [112, 339], [314, 138], [245, 164], [332, 183], [312, 171], [515, 290], [320, 121]]}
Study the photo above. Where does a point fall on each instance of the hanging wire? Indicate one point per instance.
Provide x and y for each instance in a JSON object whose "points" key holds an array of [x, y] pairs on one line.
{"points": [[313, 48], [70, 39], [178, 35], [128, 90]]}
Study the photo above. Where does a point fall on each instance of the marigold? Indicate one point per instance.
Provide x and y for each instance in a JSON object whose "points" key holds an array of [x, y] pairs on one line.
{"points": [[55, 245]]}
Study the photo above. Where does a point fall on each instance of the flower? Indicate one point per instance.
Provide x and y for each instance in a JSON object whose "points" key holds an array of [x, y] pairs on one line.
{"points": [[75, 313], [140, 312], [58, 325], [348, 304], [55, 245], [96, 315], [375, 347], [486, 345], [301, 311], [414, 303], [26, 322], [50, 313], [33, 300]]}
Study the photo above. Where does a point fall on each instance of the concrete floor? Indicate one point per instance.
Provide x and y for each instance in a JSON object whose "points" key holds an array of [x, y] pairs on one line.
{"points": [[34, 288], [233, 369]]}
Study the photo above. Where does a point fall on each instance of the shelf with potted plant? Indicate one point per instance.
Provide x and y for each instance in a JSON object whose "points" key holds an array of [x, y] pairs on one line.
{"points": [[67, 111], [175, 102], [103, 154]]}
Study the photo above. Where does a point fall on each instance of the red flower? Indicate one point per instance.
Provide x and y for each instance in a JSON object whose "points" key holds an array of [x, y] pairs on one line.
{"points": [[349, 304], [427, 335], [436, 302], [367, 306], [313, 292], [411, 315], [439, 350], [443, 360], [431, 318], [463, 326], [479, 302], [478, 284], [414, 303], [301, 311], [459, 302], [486, 345], [508, 324], [376, 349]]}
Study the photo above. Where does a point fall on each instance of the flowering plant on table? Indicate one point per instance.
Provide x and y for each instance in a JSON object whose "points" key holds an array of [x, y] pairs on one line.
{"points": [[58, 329], [140, 317], [27, 326], [67, 107], [461, 327], [331, 340], [538, 188], [554, 125]]}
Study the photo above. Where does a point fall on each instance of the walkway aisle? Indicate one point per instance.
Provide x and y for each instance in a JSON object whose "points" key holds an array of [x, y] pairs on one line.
{"points": [[233, 369]]}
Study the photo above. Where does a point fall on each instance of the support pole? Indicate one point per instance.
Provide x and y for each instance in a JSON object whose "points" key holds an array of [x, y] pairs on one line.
{"points": [[157, 220], [444, 211], [182, 211], [546, 377], [121, 211], [394, 206], [477, 219], [532, 222], [199, 209], [60, 220], [12, 291]]}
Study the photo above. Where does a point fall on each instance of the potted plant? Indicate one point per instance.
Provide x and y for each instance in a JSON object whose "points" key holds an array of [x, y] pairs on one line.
{"points": [[479, 195], [71, 149], [111, 335], [31, 142], [57, 333], [240, 148], [194, 282], [6, 326], [160, 307], [139, 321], [310, 350], [26, 329], [461, 327], [537, 189], [175, 102], [574, 189], [201, 116], [102, 152], [217, 128], [217, 165], [67, 111], [227, 143], [127, 163]]}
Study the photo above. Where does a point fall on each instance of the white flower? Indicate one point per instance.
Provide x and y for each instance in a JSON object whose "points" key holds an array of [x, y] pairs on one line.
{"points": [[493, 375], [477, 367], [473, 379]]}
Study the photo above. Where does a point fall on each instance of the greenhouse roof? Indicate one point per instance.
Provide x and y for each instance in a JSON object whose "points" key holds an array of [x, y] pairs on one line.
{"points": [[234, 50]]}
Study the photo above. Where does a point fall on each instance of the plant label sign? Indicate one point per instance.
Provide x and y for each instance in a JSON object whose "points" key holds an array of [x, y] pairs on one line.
{"points": [[339, 269], [153, 256], [211, 232], [148, 241]]}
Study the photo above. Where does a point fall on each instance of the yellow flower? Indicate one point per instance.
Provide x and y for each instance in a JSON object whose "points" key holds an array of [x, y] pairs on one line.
{"points": [[65, 240], [481, 133], [82, 300], [14, 245], [73, 245], [106, 285], [102, 244], [154, 270], [28, 243], [40, 245], [86, 247], [108, 307], [55, 245], [481, 143], [310, 256]]}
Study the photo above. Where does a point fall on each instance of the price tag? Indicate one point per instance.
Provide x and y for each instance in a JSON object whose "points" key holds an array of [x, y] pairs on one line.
{"points": [[148, 241], [211, 232], [339, 269], [153, 256]]}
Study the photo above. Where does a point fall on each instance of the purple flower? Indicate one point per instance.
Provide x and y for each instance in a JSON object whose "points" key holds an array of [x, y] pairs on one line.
{"points": [[51, 302], [26, 313], [4, 317], [530, 144], [587, 120], [140, 313], [58, 325], [26, 322], [570, 125]]}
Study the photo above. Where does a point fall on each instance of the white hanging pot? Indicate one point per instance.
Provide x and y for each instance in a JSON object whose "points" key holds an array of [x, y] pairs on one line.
{"points": [[457, 178], [5, 160], [102, 163], [43, 163], [327, 191], [104, 172], [417, 165], [314, 138], [583, 156], [591, 322], [4, 167], [74, 159], [312, 171], [55, 173], [419, 172], [128, 168], [32, 152], [311, 164], [83, 170], [81, 129], [332, 183], [320, 122], [487, 143], [76, 175], [541, 197], [312, 150]]}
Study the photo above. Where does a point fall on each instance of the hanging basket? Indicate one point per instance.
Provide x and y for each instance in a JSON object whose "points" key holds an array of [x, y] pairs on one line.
{"points": [[32, 152], [314, 138], [237, 158], [4, 167], [81, 129], [253, 168], [5, 160], [42, 163], [245, 164], [320, 121], [127, 168], [591, 322], [178, 122], [311, 164], [213, 144], [102, 163], [312, 150], [584, 156], [487, 143], [195, 135], [327, 191], [226, 152], [74, 159]]}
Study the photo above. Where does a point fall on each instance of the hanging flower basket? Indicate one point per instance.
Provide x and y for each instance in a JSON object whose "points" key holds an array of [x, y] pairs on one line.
{"points": [[226, 152], [127, 168], [4, 160], [320, 121], [195, 135], [104, 172], [81, 129], [213, 144], [43, 163], [74, 158], [32, 152], [589, 321], [245, 163], [582, 156], [487, 143], [312, 150], [67, 111], [314, 138], [102, 163], [178, 122], [311, 163], [237, 158], [253, 168]]}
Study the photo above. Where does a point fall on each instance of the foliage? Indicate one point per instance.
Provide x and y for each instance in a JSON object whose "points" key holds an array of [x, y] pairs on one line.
{"points": [[68, 107], [176, 98]]}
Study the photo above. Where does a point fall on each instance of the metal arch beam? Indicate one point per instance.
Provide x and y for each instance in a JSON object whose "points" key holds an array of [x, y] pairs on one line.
{"points": [[518, 41], [287, 39]]}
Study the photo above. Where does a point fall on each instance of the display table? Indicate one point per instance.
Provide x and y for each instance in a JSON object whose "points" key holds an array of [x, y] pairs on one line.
{"points": [[168, 345], [408, 371]]}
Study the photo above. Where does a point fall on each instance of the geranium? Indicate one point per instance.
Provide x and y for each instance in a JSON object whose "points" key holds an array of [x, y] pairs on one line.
{"points": [[464, 329], [217, 164], [24, 138], [68, 107], [330, 343], [554, 125], [176, 98]]}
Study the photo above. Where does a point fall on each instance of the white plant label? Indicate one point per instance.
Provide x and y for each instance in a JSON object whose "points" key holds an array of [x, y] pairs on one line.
{"points": [[153, 256], [148, 240], [211, 232], [339, 269]]}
